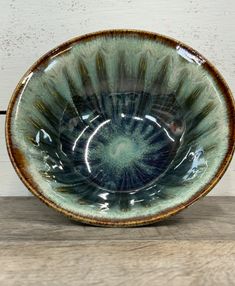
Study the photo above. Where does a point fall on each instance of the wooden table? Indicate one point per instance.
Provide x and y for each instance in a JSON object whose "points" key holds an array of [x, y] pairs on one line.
{"points": [[38, 246]]}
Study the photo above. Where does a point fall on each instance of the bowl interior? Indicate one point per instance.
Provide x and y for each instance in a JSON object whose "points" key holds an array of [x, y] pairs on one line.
{"points": [[118, 122]]}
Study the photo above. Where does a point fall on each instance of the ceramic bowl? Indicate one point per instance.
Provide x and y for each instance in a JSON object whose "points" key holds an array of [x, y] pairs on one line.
{"points": [[121, 128]]}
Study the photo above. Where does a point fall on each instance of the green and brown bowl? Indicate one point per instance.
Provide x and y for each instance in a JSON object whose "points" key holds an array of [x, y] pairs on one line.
{"points": [[121, 127]]}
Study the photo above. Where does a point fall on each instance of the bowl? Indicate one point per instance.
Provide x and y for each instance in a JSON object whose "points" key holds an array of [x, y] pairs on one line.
{"points": [[121, 127]]}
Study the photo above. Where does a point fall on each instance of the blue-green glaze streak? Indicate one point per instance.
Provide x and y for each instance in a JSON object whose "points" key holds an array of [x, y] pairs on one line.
{"points": [[119, 123]]}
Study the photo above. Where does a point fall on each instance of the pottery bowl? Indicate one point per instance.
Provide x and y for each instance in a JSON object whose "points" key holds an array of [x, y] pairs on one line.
{"points": [[121, 128]]}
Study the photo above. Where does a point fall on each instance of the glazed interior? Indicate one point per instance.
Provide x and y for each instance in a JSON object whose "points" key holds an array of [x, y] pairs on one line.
{"points": [[116, 123]]}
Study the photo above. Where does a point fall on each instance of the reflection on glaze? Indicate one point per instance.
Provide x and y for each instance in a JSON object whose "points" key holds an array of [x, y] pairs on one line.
{"points": [[124, 150], [189, 56]]}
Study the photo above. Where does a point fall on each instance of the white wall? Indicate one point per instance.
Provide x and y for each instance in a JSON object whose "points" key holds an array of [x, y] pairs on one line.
{"points": [[29, 28]]}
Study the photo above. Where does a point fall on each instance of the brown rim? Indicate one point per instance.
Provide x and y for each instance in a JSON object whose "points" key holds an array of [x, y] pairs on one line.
{"points": [[20, 165]]}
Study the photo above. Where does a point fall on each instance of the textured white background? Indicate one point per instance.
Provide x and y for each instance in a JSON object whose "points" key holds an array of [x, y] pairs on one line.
{"points": [[29, 28]]}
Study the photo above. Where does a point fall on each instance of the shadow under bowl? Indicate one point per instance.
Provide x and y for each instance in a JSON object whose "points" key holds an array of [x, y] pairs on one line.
{"points": [[121, 128]]}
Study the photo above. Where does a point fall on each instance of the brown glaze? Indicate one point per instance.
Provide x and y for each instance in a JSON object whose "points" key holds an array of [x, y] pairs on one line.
{"points": [[20, 164]]}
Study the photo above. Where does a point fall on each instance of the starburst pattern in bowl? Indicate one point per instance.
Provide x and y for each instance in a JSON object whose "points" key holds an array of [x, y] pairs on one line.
{"points": [[121, 128]]}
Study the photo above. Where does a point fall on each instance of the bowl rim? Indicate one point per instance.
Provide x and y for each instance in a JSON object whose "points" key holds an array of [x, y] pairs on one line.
{"points": [[20, 165]]}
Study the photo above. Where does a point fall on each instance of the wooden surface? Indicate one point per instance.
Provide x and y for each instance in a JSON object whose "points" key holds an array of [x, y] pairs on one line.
{"points": [[38, 246], [30, 28]]}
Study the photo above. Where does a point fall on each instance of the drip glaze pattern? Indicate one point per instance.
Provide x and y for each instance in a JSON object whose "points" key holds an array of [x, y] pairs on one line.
{"points": [[121, 127]]}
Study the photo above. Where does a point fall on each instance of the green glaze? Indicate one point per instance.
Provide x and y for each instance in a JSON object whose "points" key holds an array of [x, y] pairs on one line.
{"points": [[121, 126]]}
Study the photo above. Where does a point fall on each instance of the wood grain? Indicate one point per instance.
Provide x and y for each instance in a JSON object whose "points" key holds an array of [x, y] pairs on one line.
{"points": [[165, 263], [41, 247], [24, 219]]}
